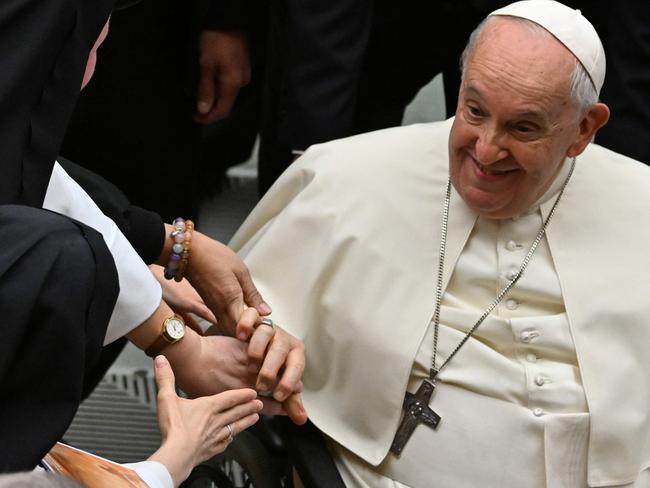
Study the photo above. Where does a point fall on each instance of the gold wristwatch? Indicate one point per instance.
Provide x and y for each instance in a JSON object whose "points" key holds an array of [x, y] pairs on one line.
{"points": [[173, 330]]}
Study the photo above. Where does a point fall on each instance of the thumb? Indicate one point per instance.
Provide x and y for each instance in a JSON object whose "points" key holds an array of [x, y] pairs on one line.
{"points": [[164, 374], [252, 296]]}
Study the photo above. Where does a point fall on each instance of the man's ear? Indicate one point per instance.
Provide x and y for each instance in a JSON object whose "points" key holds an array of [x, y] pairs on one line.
{"points": [[594, 119]]}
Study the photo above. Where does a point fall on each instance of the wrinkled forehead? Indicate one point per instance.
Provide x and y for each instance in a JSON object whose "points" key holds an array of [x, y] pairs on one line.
{"points": [[518, 52]]}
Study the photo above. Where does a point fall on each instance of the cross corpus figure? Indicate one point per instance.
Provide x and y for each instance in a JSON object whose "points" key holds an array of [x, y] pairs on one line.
{"points": [[416, 411]]}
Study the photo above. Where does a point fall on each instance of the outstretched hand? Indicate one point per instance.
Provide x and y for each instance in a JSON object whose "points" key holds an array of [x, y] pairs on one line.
{"points": [[195, 430]]}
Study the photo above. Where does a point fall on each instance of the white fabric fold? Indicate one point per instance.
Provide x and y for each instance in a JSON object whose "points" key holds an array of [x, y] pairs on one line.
{"points": [[140, 293]]}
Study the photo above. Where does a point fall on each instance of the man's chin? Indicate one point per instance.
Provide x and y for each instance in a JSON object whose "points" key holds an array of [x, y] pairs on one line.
{"points": [[487, 204]]}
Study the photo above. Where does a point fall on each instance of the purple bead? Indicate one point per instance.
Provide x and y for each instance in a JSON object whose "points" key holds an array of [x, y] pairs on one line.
{"points": [[175, 257], [179, 224], [179, 237]]}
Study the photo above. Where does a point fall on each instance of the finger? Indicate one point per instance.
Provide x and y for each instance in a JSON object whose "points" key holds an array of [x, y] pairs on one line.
{"points": [[223, 105], [164, 375], [251, 295], [295, 409], [257, 347], [244, 423], [206, 91], [230, 314], [293, 369], [237, 427], [201, 310], [248, 319], [226, 433], [231, 398], [275, 358], [271, 407], [237, 412], [191, 323]]}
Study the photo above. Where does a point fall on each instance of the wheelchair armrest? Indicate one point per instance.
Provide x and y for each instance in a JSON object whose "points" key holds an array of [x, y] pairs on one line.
{"points": [[309, 455]]}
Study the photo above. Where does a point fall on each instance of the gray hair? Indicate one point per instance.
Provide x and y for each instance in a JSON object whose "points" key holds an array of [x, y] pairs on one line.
{"points": [[583, 92]]}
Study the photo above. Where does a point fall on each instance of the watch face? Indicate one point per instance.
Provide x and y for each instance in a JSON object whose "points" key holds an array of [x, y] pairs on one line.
{"points": [[175, 328]]}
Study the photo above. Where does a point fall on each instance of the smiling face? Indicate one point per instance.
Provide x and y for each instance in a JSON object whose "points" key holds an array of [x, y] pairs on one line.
{"points": [[515, 121]]}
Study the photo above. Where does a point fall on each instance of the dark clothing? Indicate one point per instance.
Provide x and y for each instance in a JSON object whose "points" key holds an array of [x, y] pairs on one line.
{"points": [[44, 47], [58, 287], [58, 281], [144, 229], [625, 31], [340, 68], [134, 123]]}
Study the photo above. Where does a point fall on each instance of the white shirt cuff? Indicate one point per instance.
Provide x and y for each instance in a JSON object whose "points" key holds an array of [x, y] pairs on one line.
{"points": [[153, 473], [140, 293]]}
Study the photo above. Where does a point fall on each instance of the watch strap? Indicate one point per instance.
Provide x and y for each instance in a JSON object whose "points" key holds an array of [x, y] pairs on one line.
{"points": [[163, 340], [158, 345]]}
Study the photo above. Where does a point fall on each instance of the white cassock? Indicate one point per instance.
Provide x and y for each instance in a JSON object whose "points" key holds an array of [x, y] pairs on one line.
{"points": [[554, 389]]}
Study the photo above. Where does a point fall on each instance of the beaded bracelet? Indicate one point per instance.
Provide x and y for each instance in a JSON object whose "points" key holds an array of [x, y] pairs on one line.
{"points": [[179, 258]]}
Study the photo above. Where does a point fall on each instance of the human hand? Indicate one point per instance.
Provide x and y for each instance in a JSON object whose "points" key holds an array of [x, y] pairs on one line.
{"points": [[278, 359], [195, 430], [183, 298], [224, 69], [223, 281], [221, 363]]}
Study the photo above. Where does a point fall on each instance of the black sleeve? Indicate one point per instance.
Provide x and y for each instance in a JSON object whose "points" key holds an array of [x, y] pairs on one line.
{"points": [[226, 14], [144, 229]]}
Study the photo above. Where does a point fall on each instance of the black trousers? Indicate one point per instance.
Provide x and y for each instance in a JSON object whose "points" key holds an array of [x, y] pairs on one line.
{"points": [[58, 287], [344, 67], [625, 31]]}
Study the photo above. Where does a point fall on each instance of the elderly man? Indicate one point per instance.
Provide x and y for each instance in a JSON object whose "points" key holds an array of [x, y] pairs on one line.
{"points": [[471, 292]]}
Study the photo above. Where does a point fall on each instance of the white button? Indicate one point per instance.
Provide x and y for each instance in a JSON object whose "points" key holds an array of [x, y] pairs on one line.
{"points": [[540, 380], [510, 275], [511, 245], [528, 336], [531, 358], [538, 412], [511, 304]]}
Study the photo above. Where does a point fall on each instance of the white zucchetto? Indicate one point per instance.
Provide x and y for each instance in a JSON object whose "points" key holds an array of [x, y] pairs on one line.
{"points": [[568, 26]]}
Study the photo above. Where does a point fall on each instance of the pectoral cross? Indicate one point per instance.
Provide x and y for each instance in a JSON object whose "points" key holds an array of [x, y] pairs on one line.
{"points": [[416, 411]]}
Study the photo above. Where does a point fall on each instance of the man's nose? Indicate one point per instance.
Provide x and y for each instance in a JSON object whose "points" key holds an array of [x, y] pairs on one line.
{"points": [[489, 146]]}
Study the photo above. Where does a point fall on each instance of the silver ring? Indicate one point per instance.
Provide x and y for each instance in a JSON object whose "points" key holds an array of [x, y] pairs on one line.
{"points": [[268, 321], [231, 437]]}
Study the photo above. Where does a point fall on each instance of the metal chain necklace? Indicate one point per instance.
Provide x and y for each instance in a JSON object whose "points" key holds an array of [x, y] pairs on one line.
{"points": [[416, 406]]}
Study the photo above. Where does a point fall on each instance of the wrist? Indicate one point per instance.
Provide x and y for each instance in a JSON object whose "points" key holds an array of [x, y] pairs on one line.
{"points": [[149, 331], [176, 459], [198, 244]]}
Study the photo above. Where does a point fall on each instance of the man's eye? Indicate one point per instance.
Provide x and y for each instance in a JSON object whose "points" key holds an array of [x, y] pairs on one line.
{"points": [[474, 111], [523, 129]]}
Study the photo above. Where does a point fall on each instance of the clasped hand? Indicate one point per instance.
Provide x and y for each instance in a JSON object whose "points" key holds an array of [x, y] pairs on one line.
{"points": [[266, 358], [270, 361]]}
